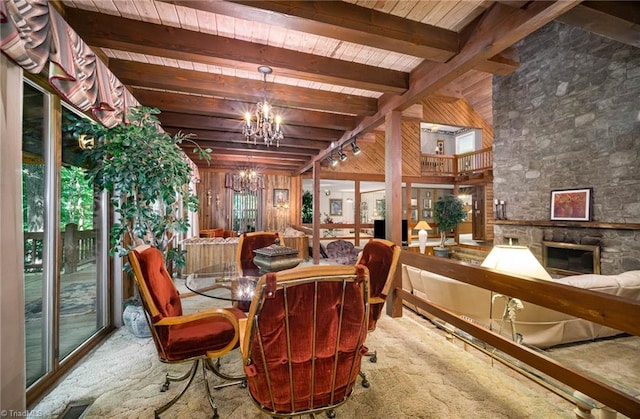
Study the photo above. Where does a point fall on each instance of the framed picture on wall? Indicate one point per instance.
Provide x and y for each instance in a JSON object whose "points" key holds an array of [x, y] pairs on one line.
{"points": [[335, 207], [571, 204], [280, 197]]}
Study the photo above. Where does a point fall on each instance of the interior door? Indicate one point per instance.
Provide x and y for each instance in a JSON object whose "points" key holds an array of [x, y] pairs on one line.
{"points": [[478, 218]]}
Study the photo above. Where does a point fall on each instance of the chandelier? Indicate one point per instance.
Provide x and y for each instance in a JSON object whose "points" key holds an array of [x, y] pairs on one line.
{"points": [[263, 125], [246, 179]]}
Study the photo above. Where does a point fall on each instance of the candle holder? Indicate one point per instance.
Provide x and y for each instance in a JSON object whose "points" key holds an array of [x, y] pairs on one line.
{"points": [[500, 210]]}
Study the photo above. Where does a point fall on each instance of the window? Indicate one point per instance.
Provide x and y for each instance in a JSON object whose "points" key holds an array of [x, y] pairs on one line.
{"points": [[465, 143], [245, 212]]}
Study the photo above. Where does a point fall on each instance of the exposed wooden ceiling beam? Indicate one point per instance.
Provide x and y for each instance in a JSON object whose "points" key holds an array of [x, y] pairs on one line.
{"points": [[201, 122], [617, 20], [201, 105], [345, 21], [298, 154], [216, 137], [232, 162], [190, 81], [500, 27], [356, 24], [106, 31]]}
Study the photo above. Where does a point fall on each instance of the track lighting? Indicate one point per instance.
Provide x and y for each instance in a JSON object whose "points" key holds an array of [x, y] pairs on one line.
{"points": [[332, 161], [341, 155], [354, 148]]}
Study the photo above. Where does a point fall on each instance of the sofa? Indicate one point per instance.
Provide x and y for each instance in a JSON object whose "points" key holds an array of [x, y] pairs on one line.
{"points": [[539, 326]]}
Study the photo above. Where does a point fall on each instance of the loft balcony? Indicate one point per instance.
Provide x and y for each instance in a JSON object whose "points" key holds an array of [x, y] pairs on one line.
{"points": [[461, 166]]}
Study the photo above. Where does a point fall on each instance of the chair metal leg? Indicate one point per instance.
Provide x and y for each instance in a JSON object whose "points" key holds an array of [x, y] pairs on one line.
{"points": [[191, 373], [365, 382], [373, 356], [214, 366], [209, 396]]}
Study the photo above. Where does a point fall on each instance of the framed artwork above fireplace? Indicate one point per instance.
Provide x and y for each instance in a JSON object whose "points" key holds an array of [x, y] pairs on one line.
{"points": [[571, 204]]}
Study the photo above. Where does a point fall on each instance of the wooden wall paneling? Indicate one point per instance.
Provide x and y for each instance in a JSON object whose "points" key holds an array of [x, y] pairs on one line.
{"points": [[212, 213], [411, 147], [489, 216], [274, 218]]}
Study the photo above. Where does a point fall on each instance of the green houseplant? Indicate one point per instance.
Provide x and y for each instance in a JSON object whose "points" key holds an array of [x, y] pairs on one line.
{"points": [[448, 212], [147, 175]]}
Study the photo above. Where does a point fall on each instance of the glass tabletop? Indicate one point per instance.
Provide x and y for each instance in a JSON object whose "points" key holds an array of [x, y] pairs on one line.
{"points": [[222, 283]]}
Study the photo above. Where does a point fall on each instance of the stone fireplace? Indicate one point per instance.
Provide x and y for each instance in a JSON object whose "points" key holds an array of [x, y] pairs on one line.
{"points": [[570, 258]]}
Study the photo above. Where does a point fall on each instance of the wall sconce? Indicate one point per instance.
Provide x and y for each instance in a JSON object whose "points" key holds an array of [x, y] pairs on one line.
{"points": [[217, 200], [208, 197], [85, 143]]}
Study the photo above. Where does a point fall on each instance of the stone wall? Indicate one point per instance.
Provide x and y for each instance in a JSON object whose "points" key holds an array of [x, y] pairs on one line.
{"points": [[569, 117]]}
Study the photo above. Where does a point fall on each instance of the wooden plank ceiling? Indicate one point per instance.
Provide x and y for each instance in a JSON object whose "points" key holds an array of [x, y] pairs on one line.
{"points": [[338, 67]]}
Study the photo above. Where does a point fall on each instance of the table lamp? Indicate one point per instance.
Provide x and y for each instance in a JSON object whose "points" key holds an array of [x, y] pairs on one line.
{"points": [[422, 228], [513, 260]]}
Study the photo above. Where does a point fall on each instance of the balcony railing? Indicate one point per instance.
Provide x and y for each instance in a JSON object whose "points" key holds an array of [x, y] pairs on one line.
{"points": [[79, 248], [473, 162]]}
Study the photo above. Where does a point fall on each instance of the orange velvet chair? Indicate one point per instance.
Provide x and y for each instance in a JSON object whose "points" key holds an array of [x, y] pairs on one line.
{"points": [[381, 258], [247, 243], [304, 338], [197, 338]]}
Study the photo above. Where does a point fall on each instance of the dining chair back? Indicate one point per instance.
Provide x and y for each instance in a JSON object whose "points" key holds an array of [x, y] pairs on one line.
{"points": [[304, 339]]}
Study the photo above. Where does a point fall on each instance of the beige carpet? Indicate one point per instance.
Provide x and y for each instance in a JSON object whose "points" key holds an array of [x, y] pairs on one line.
{"points": [[419, 374]]}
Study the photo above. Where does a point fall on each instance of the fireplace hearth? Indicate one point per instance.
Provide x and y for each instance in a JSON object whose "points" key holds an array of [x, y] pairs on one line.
{"points": [[570, 258]]}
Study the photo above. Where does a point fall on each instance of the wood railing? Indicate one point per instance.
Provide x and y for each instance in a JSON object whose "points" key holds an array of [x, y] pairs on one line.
{"points": [[473, 162], [609, 310], [79, 248]]}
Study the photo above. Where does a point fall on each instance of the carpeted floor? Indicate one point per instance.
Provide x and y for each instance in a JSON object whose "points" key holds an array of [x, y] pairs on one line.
{"points": [[419, 374]]}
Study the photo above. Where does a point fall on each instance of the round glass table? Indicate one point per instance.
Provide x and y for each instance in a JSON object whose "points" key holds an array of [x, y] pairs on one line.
{"points": [[223, 284]]}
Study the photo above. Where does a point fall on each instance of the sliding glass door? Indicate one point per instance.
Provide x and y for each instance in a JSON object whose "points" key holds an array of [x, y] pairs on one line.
{"points": [[65, 256]]}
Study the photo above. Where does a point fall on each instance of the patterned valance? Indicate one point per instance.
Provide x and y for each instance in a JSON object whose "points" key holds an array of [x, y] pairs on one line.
{"points": [[33, 34]]}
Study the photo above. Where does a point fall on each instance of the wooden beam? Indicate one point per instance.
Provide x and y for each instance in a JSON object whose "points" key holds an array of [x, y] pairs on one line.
{"points": [[190, 81], [257, 149], [500, 27], [212, 127], [107, 31], [201, 105], [344, 21], [617, 20]]}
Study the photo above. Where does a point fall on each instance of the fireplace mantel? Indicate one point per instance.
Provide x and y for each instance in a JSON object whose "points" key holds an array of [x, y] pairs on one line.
{"points": [[581, 224]]}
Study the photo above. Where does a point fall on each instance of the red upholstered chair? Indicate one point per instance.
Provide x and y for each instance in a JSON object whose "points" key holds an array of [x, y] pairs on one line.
{"points": [[247, 243], [179, 337], [381, 258], [304, 338]]}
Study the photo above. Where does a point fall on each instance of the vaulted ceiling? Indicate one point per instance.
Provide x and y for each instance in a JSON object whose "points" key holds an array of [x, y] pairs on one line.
{"points": [[338, 67]]}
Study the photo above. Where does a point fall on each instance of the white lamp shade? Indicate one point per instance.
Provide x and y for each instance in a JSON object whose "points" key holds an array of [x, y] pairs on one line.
{"points": [[515, 260]]}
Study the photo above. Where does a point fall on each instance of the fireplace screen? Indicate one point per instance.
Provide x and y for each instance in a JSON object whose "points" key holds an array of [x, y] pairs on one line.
{"points": [[570, 258]]}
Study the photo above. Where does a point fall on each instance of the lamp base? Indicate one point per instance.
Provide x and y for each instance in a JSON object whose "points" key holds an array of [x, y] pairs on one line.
{"points": [[422, 240]]}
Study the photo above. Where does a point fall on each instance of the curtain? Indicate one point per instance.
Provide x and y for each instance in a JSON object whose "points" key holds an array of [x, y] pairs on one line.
{"points": [[33, 34]]}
